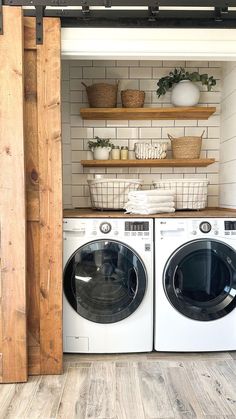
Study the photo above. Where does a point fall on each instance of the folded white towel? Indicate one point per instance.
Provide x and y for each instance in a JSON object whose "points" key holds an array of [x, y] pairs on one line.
{"points": [[150, 210], [152, 192], [151, 199], [130, 205]]}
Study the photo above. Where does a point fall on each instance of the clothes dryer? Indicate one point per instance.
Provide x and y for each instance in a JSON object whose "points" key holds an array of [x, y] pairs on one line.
{"points": [[195, 289], [108, 285]]}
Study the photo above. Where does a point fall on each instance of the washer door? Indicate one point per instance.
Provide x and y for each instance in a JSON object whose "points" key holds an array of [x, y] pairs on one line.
{"points": [[105, 281], [200, 279]]}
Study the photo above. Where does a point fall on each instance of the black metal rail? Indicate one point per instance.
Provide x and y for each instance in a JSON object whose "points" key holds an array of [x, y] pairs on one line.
{"points": [[214, 13]]}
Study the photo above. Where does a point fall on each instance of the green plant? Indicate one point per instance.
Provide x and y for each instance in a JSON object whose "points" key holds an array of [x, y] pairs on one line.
{"points": [[100, 142], [177, 75]]}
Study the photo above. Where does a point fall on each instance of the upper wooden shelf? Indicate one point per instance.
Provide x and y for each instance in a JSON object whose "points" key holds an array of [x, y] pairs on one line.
{"points": [[148, 163], [200, 112]]}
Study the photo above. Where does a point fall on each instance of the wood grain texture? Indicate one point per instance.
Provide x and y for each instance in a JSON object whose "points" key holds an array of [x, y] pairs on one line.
{"points": [[31, 133], [155, 399], [50, 196], [44, 197], [136, 385], [75, 394], [199, 112], [205, 213], [12, 201], [148, 163]]}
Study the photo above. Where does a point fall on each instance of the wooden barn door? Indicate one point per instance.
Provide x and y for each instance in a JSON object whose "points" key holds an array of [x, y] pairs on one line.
{"points": [[13, 347], [42, 71]]}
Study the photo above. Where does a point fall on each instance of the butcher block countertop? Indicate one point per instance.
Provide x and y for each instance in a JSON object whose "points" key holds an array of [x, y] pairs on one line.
{"points": [[204, 213]]}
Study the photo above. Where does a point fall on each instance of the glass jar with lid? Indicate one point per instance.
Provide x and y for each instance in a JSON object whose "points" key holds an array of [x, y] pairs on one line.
{"points": [[124, 153], [115, 152]]}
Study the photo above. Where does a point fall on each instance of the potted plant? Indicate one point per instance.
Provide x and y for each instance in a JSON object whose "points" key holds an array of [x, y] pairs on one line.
{"points": [[100, 148], [185, 92]]}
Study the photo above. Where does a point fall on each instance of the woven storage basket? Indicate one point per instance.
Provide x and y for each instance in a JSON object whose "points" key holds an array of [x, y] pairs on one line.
{"points": [[112, 194], [102, 95], [132, 98], [189, 193], [186, 147]]}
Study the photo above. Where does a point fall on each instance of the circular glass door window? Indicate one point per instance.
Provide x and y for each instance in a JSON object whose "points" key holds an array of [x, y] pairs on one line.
{"points": [[200, 279], [105, 281]]}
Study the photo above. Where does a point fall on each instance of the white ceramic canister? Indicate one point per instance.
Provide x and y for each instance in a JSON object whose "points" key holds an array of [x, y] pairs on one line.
{"points": [[185, 93], [101, 153]]}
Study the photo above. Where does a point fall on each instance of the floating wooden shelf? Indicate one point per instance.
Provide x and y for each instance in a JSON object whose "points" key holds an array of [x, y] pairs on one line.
{"points": [[148, 163], [200, 112]]}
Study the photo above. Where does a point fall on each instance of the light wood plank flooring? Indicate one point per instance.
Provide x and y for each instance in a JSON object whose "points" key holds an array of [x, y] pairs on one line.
{"points": [[134, 386]]}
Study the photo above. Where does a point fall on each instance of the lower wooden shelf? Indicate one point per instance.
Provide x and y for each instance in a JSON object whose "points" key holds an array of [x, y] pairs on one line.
{"points": [[148, 163]]}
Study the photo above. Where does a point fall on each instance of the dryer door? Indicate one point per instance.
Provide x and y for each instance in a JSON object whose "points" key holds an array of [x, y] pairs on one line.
{"points": [[200, 279], [105, 281]]}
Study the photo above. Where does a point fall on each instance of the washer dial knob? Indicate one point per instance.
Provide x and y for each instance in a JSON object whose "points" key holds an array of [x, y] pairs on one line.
{"points": [[105, 227], [205, 227]]}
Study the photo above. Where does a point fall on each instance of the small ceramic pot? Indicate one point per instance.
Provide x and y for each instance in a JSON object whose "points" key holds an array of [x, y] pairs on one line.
{"points": [[185, 93], [101, 153]]}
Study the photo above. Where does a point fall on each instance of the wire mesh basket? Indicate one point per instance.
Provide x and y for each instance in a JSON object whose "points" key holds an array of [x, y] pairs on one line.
{"points": [[112, 194], [189, 193]]}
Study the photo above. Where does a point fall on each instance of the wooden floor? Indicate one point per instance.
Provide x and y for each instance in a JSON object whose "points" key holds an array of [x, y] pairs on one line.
{"points": [[137, 386]]}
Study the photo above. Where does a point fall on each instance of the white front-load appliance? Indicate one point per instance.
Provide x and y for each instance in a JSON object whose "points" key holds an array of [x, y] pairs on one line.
{"points": [[195, 284], [108, 285]]}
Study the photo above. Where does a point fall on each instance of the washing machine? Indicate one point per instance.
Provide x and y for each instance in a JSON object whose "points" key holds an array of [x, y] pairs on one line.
{"points": [[108, 285], [195, 284]]}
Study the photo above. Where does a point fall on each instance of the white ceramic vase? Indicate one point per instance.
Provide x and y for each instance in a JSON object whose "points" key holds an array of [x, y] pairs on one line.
{"points": [[185, 93], [101, 153]]}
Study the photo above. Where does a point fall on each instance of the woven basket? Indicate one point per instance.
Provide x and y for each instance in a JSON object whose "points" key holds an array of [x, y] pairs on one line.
{"points": [[186, 147], [132, 98], [102, 95]]}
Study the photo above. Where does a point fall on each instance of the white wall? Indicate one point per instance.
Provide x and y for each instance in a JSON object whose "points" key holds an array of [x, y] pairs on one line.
{"points": [[228, 138], [138, 75]]}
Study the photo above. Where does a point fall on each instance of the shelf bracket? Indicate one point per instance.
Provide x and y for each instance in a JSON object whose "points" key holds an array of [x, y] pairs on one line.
{"points": [[39, 11]]}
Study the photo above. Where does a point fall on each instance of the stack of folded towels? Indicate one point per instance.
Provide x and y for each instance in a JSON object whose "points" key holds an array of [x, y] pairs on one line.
{"points": [[150, 201]]}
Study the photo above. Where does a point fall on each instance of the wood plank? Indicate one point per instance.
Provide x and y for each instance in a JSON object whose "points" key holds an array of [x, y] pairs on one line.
{"points": [[22, 397], [149, 163], [34, 358], [30, 33], [199, 112], [46, 400], [102, 395], [128, 396], [208, 389], [182, 396], [204, 213], [49, 137], [156, 403], [31, 134], [75, 394], [12, 201], [33, 285]]}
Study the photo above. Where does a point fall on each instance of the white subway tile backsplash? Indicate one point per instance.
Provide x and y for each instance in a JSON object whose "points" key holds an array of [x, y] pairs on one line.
{"points": [[65, 70], [117, 73], [65, 133], [76, 72], [105, 132], [150, 132], [94, 72], [140, 72], [132, 74], [66, 153], [127, 133], [82, 132]]}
